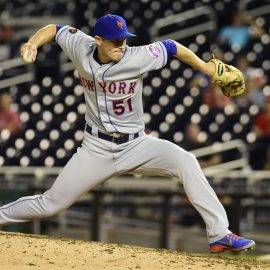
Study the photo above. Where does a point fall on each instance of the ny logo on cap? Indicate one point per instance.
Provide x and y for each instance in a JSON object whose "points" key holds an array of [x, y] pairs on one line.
{"points": [[120, 24]]}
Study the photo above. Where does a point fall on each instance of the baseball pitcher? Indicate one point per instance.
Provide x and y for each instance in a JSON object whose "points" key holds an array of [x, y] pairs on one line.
{"points": [[115, 143]]}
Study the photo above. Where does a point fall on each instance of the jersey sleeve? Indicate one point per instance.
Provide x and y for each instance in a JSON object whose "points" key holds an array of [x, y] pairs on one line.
{"points": [[170, 47], [150, 57], [71, 39]]}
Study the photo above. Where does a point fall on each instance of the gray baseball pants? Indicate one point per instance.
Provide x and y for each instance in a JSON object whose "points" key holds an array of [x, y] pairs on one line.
{"points": [[98, 160]]}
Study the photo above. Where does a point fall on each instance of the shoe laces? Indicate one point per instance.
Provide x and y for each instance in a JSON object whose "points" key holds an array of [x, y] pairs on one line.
{"points": [[233, 236]]}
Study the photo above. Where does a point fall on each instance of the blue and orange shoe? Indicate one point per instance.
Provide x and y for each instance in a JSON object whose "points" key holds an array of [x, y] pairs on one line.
{"points": [[232, 242]]}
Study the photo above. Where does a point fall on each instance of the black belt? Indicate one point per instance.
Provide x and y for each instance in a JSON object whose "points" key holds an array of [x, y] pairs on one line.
{"points": [[118, 140]]}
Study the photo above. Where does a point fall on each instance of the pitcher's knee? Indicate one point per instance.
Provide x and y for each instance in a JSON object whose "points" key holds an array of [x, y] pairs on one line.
{"points": [[185, 158], [185, 161], [191, 158], [191, 162], [51, 207]]}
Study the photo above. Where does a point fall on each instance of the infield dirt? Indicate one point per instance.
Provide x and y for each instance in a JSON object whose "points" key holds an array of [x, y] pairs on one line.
{"points": [[30, 252]]}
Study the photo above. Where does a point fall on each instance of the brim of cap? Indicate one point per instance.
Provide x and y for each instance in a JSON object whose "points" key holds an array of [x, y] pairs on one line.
{"points": [[119, 35]]}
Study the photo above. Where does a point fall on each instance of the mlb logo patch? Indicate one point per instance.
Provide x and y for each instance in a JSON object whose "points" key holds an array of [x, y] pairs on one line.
{"points": [[153, 50]]}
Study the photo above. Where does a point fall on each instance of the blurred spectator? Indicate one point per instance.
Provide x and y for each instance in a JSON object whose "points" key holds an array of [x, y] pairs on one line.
{"points": [[242, 63], [240, 32], [260, 153], [215, 99], [255, 81], [6, 34], [195, 138], [9, 119], [201, 81]]}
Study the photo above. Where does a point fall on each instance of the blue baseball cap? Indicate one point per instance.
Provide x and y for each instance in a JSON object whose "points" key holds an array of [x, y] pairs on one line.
{"points": [[112, 27]]}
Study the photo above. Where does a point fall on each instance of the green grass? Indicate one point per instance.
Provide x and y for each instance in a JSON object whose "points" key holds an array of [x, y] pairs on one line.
{"points": [[239, 256]]}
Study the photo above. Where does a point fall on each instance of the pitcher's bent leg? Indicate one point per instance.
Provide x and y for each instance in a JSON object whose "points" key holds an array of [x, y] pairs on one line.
{"points": [[160, 157], [204, 199], [82, 172]]}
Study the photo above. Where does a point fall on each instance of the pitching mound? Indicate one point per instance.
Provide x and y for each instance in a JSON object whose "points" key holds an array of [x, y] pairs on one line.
{"points": [[24, 252]]}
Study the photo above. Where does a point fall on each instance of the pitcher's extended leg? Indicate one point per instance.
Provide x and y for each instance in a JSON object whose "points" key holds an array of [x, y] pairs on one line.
{"points": [[81, 173]]}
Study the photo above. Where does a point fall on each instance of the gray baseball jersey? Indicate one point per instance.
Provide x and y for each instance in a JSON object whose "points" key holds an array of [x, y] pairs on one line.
{"points": [[113, 94], [113, 91]]}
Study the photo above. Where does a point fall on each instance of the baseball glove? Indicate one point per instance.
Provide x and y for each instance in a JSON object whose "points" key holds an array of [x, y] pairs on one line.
{"points": [[228, 78]]}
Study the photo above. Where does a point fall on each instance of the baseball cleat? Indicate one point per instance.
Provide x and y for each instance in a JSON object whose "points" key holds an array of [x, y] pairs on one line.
{"points": [[231, 242]]}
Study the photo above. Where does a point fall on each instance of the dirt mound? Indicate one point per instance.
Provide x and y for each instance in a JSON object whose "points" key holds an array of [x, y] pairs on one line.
{"points": [[24, 252]]}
